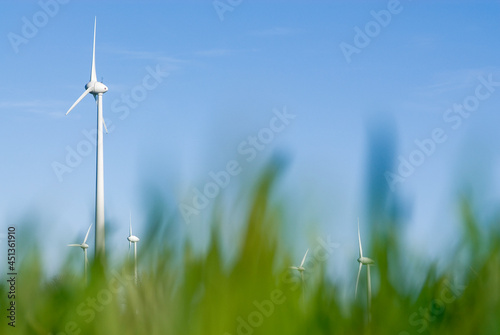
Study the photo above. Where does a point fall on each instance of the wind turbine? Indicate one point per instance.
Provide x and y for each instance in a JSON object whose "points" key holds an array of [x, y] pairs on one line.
{"points": [[364, 261], [301, 269], [133, 239], [84, 247], [97, 89]]}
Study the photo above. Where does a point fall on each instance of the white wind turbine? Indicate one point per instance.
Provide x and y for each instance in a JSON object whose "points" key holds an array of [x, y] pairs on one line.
{"points": [[97, 89], [84, 247], [133, 239], [301, 269], [364, 261]]}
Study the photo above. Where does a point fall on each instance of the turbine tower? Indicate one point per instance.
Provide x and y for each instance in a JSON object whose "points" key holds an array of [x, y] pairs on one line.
{"points": [[97, 89], [133, 239], [364, 261]]}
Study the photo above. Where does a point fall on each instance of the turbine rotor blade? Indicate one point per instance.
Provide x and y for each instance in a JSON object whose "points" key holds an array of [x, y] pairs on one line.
{"points": [[74, 245], [357, 280], [304, 259], [87, 91], [130, 228], [93, 76], [105, 128], [294, 267], [86, 236], [359, 239]]}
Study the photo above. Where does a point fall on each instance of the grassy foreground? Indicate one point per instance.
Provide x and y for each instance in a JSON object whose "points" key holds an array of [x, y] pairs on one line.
{"points": [[257, 293]]}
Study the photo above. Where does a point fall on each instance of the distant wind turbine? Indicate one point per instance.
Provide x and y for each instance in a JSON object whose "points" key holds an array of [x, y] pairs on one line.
{"points": [[364, 261], [133, 239], [301, 270], [97, 89], [84, 247]]}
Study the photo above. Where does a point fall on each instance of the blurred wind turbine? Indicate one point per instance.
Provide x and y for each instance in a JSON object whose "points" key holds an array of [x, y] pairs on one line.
{"points": [[364, 261], [133, 239], [97, 89], [301, 269], [84, 247]]}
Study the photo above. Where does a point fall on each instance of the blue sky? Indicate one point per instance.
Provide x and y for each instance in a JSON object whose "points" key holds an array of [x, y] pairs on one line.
{"points": [[221, 81]]}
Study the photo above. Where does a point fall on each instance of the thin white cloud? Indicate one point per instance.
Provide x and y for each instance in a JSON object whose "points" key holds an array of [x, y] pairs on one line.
{"points": [[221, 52], [168, 63], [215, 52], [446, 88], [51, 108], [276, 31], [423, 41], [452, 81], [149, 55]]}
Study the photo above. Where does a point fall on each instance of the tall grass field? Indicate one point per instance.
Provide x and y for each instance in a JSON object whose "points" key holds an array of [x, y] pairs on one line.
{"points": [[256, 292]]}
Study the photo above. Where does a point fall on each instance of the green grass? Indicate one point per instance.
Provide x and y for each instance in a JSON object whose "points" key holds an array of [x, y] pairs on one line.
{"points": [[257, 293]]}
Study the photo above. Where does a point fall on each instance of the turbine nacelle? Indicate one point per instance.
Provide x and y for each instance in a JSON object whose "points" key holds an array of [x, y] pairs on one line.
{"points": [[95, 87], [366, 260], [133, 239]]}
